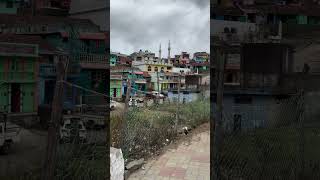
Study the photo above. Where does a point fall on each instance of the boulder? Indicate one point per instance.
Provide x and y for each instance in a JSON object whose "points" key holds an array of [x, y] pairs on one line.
{"points": [[134, 165]]}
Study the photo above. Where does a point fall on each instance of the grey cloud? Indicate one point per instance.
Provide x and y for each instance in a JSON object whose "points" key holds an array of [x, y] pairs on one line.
{"points": [[143, 24]]}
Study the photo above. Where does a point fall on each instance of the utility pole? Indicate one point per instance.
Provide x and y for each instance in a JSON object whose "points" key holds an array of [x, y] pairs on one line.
{"points": [[217, 141], [178, 104], [125, 113], [158, 94], [305, 72], [54, 122]]}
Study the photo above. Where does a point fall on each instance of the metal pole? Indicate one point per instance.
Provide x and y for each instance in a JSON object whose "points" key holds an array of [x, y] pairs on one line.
{"points": [[217, 141], [178, 105], [126, 107], [158, 88], [53, 124]]}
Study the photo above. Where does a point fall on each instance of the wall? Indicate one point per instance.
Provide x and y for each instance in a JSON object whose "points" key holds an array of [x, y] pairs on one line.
{"points": [[188, 97], [118, 85], [217, 27], [264, 111], [5, 10]]}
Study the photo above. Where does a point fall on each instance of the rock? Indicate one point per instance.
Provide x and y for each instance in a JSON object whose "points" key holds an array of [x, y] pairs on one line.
{"points": [[126, 174], [134, 165], [117, 164]]}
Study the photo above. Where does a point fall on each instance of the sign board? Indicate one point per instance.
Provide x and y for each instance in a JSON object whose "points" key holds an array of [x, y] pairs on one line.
{"points": [[17, 49]]}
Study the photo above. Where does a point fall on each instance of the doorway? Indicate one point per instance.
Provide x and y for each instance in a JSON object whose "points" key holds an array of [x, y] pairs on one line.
{"points": [[114, 92], [15, 97]]}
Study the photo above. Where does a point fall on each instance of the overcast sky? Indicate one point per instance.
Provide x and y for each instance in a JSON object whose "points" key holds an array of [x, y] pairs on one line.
{"points": [[144, 24]]}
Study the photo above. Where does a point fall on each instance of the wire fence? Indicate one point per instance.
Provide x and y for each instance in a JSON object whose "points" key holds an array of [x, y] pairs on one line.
{"points": [[145, 130], [82, 149], [269, 137]]}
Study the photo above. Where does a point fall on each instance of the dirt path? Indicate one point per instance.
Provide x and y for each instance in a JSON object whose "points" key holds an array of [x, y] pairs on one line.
{"points": [[188, 159]]}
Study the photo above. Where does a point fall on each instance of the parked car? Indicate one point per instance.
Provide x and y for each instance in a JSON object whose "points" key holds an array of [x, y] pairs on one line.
{"points": [[72, 128], [133, 102], [9, 134], [156, 93]]}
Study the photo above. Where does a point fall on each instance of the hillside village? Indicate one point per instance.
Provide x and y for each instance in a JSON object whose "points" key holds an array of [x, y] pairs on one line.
{"points": [[266, 63], [150, 74]]}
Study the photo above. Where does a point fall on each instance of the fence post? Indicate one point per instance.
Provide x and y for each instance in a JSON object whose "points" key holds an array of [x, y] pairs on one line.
{"points": [[217, 141]]}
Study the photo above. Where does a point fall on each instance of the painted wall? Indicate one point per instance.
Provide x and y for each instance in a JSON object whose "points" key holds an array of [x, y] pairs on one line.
{"points": [[263, 111], [113, 60], [217, 27], [23, 72], [183, 97], [5, 10], [116, 85]]}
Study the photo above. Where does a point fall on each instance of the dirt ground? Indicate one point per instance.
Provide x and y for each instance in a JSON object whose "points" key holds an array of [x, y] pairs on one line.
{"points": [[25, 156]]}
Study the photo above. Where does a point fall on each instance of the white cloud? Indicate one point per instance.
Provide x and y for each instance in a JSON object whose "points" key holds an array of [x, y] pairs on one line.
{"points": [[143, 24]]}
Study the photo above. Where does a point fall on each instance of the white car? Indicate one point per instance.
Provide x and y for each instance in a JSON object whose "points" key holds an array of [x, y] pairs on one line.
{"points": [[71, 128], [156, 93], [133, 102]]}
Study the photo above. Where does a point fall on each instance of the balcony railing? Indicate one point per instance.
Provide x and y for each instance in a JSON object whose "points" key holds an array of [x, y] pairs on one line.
{"points": [[17, 76], [47, 70], [91, 58], [50, 70]]}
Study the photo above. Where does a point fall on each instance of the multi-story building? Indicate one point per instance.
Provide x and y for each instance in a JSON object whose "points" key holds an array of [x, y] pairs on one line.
{"points": [[116, 86], [95, 10], [19, 74], [201, 57]]}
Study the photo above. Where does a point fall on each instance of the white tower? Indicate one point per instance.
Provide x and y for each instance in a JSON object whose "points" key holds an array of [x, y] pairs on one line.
{"points": [[169, 48], [160, 53]]}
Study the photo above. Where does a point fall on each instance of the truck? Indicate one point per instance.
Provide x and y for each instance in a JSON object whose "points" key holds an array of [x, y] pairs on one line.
{"points": [[9, 134]]}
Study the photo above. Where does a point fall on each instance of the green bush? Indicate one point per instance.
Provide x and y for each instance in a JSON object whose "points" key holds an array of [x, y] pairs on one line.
{"points": [[149, 129]]}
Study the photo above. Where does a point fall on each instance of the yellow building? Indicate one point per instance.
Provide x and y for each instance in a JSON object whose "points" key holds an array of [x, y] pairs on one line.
{"points": [[153, 67]]}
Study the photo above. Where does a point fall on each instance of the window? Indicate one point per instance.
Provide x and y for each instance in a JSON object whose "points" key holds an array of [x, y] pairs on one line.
{"points": [[156, 69], [98, 44], [243, 100], [149, 68], [13, 65], [44, 28], [229, 78]]}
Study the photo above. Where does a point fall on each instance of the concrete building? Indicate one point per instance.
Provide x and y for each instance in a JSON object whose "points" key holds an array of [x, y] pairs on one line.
{"points": [[97, 11], [19, 66]]}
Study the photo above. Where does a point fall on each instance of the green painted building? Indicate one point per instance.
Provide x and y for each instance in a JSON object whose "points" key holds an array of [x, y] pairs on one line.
{"points": [[113, 59], [9, 6], [18, 77], [116, 86]]}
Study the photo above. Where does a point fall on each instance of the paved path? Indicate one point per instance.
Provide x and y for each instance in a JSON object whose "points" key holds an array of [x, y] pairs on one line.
{"points": [[190, 160]]}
